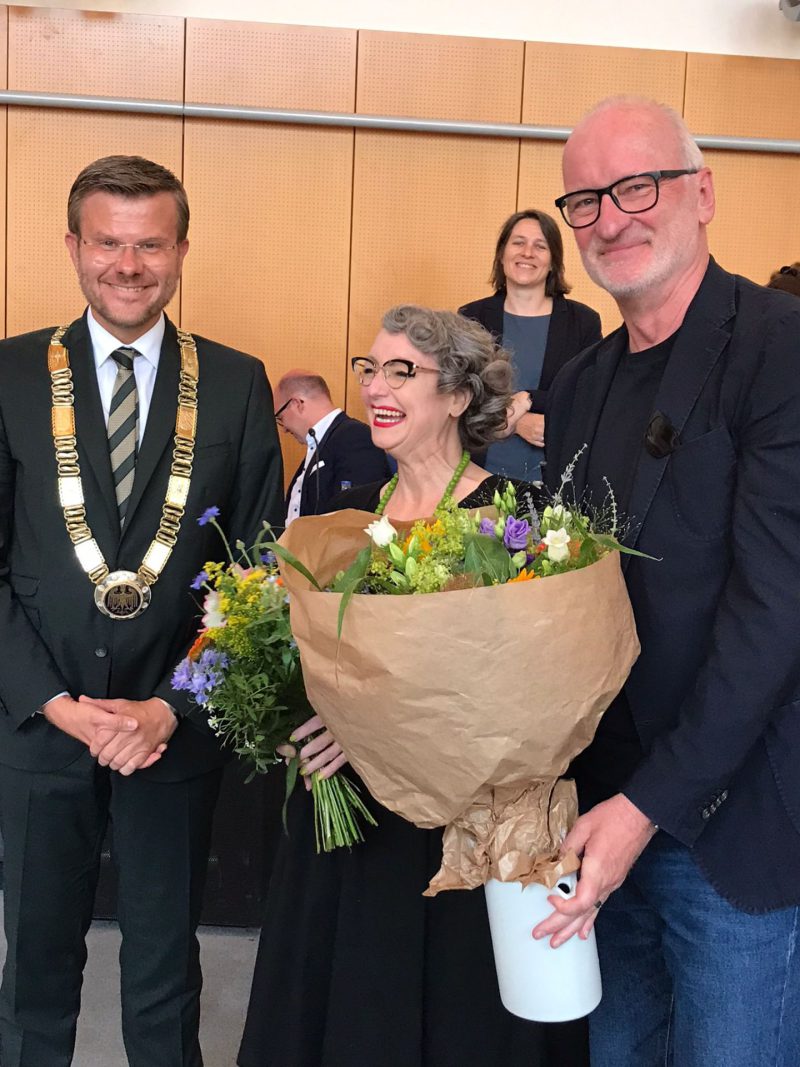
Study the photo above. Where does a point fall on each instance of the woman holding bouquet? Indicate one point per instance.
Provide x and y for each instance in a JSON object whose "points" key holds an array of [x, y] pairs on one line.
{"points": [[355, 967]]}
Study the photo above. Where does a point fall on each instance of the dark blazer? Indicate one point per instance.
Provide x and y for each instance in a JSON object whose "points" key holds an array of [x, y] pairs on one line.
{"points": [[715, 694], [53, 637], [573, 327], [344, 454]]}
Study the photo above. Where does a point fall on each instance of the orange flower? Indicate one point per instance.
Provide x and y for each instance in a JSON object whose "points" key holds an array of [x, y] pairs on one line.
{"points": [[523, 576], [201, 642], [575, 548]]}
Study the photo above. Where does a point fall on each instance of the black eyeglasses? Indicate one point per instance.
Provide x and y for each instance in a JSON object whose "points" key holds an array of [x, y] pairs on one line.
{"points": [[790, 270], [395, 371], [283, 407], [633, 195]]}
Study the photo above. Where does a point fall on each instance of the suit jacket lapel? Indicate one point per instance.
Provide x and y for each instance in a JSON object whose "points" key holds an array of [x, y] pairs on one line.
{"points": [[91, 433], [160, 428], [698, 345], [591, 391]]}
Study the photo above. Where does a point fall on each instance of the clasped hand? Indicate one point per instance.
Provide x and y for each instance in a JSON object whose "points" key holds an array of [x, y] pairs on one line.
{"points": [[126, 735], [609, 839], [322, 753]]}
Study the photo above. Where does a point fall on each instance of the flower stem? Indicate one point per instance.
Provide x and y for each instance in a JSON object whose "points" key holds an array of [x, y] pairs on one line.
{"points": [[337, 809]]}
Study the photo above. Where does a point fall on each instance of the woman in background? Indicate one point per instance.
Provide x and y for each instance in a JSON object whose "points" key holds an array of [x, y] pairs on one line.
{"points": [[542, 330]]}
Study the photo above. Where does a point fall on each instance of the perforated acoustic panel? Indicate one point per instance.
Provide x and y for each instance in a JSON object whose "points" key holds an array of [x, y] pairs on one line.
{"points": [[46, 150], [563, 81], [743, 96], [139, 56], [439, 77], [258, 65], [539, 184], [267, 271], [426, 210], [756, 228]]}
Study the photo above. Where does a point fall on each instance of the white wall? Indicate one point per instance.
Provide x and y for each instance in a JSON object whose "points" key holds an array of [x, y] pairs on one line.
{"points": [[735, 27]]}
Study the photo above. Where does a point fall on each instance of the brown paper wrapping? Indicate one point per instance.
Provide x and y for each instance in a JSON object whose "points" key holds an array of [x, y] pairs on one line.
{"points": [[464, 707]]}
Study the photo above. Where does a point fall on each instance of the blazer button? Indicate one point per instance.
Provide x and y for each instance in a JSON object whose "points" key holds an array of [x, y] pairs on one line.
{"points": [[101, 652]]}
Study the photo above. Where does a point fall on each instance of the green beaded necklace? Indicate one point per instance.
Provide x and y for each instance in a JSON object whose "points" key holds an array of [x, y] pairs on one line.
{"points": [[390, 488]]}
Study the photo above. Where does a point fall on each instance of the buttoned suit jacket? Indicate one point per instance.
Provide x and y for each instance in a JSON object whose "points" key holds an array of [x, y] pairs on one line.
{"points": [[54, 639], [715, 693], [345, 453]]}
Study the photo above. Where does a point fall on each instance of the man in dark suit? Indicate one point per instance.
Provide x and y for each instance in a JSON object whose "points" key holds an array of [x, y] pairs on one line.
{"points": [[692, 411], [339, 449], [99, 542]]}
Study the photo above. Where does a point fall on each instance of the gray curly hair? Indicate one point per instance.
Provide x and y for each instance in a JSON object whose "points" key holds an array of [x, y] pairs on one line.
{"points": [[468, 359]]}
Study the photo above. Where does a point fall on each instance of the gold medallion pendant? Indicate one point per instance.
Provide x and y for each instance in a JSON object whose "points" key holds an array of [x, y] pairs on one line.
{"points": [[122, 595]]}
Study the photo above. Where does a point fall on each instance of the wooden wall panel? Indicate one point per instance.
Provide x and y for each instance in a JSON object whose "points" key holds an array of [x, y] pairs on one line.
{"points": [[300, 67], [562, 81], [76, 52], [756, 228], [743, 96], [426, 208], [426, 211], [94, 52], [268, 269], [439, 77], [539, 184]]}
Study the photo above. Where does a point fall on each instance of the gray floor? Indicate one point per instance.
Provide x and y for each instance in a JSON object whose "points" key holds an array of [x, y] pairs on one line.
{"points": [[227, 958]]}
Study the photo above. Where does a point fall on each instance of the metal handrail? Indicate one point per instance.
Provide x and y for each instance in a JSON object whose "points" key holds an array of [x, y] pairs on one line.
{"points": [[14, 98]]}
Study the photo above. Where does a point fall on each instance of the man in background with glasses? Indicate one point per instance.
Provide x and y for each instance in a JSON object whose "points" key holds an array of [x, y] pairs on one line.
{"points": [[115, 435], [690, 792], [339, 449]]}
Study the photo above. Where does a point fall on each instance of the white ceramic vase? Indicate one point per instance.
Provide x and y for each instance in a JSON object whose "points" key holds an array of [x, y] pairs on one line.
{"points": [[536, 981]]}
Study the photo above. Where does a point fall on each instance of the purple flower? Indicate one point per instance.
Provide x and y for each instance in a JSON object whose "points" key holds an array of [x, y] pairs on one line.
{"points": [[199, 580], [486, 527], [182, 674], [202, 676], [516, 533], [268, 558], [207, 516]]}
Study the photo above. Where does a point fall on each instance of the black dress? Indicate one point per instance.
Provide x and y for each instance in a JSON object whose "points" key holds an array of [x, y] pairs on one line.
{"points": [[355, 968]]}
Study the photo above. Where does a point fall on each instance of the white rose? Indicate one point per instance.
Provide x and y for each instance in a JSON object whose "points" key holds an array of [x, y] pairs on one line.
{"points": [[557, 542], [381, 532]]}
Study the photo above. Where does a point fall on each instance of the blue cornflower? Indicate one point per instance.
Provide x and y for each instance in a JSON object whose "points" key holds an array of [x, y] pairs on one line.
{"points": [[208, 515], [268, 558], [199, 580]]}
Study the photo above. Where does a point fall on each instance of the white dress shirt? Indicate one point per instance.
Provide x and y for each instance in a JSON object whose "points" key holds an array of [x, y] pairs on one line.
{"points": [[312, 443], [144, 366]]}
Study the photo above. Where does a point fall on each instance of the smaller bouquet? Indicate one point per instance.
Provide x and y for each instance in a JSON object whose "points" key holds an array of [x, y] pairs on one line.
{"points": [[244, 670]]}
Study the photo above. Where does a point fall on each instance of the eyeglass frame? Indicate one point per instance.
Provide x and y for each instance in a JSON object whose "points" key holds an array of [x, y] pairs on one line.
{"points": [[122, 245], [409, 364], [284, 406], [657, 175]]}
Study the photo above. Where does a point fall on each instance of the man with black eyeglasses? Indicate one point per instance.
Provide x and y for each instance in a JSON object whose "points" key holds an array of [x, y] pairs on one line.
{"points": [[339, 449], [690, 792]]}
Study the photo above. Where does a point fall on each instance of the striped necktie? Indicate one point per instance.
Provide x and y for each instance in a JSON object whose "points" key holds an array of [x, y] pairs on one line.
{"points": [[123, 427]]}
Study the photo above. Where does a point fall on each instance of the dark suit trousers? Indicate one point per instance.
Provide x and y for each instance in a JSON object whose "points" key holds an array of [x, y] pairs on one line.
{"points": [[53, 826]]}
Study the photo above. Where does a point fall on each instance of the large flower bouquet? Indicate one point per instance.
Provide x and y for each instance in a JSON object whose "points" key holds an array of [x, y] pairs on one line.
{"points": [[244, 671], [464, 707]]}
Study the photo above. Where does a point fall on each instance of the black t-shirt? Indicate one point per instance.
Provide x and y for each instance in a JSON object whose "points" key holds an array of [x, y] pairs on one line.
{"points": [[604, 767]]}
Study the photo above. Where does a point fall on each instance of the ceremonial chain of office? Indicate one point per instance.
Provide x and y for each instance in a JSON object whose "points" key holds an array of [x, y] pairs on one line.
{"points": [[122, 594]]}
